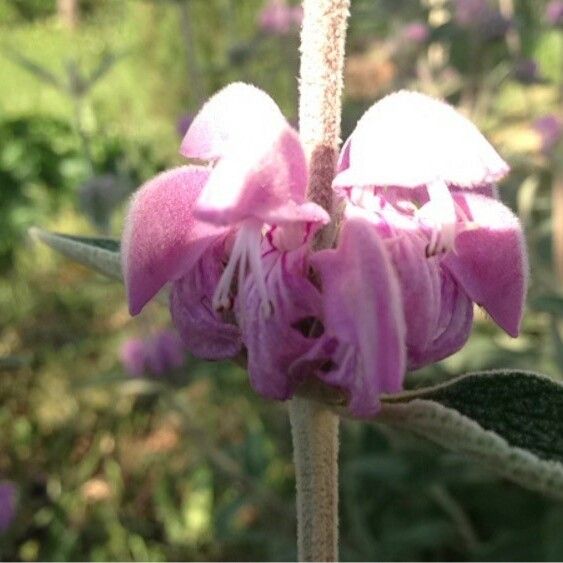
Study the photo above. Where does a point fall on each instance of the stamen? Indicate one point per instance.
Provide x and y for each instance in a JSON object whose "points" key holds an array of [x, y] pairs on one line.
{"points": [[246, 255], [441, 211]]}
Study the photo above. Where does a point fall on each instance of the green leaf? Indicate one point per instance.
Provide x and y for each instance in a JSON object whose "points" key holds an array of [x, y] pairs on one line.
{"points": [[549, 303], [512, 422], [100, 254]]}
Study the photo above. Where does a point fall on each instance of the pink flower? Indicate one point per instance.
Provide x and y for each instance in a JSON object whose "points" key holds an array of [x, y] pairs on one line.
{"points": [[423, 238], [424, 177], [416, 32], [280, 19], [549, 128], [157, 355], [554, 13]]}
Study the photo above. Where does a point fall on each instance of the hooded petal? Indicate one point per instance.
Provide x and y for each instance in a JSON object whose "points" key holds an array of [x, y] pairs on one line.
{"points": [[408, 140], [364, 324], [275, 341], [206, 333], [162, 239], [260, 164], [490, 260], [233, 116]]}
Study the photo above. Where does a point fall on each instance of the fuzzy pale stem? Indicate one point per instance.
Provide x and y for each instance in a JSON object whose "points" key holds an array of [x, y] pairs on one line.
{"points": [[323, 39], [315, 453], [314, 427]]}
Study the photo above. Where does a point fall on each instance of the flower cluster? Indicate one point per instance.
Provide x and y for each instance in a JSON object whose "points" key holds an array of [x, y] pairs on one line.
{"points": [[424, 236]]}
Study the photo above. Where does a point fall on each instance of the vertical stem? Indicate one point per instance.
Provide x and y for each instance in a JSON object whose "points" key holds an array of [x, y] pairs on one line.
{"points": [[323, 39], [315, 453], [314, 427]]}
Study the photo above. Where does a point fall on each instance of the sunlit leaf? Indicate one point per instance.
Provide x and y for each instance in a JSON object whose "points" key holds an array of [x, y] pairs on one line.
{"points": [[100, 254]]}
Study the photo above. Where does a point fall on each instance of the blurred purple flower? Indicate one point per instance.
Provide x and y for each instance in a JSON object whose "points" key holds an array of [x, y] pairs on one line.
{"points": [[527, 71], [278, 18], [554, 13], [549, 128], [132, 355], [8, 495], [480, 16], [469, 13], [155, 355], [183, 123], [416, 32]]}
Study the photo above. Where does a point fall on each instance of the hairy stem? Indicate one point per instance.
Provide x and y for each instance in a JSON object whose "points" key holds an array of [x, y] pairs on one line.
{"points": [[323, 39], [314, 426], [315, 452]]}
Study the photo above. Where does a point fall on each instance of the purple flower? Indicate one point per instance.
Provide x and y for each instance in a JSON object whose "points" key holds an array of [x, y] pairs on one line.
{"points": [[549, 128], [469, 13], [8, 497], [157, 355], [423, 238], [416, 32], [527, 71], [479, 16], [554, 13], [280, 19]]}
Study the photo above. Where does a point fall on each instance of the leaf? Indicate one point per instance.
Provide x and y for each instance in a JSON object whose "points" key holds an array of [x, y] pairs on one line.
{"points": [[549, 303], [512, 422], [100, 254]]}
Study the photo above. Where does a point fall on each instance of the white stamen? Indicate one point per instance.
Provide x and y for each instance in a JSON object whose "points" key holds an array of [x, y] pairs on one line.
{"points": [[246, 254], [442, 211]]}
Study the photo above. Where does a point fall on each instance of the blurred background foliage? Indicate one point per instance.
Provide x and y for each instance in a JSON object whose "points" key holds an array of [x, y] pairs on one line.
{"points": [[99, 462]]}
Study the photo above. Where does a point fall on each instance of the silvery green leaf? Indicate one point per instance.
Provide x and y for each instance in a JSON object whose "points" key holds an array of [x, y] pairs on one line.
{"points": [[100, 254], [510, 421]]}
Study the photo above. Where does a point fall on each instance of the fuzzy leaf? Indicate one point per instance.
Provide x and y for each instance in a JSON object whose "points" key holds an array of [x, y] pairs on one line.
{"points": [[100, 254], [510, 421]]}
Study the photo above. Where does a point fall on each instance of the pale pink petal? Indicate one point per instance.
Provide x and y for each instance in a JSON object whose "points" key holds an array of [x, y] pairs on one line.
{"points": [[162, 239], [408, 139], [239, 114], [258, 179], [490, 260], [363, 318], [259, 163]]}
